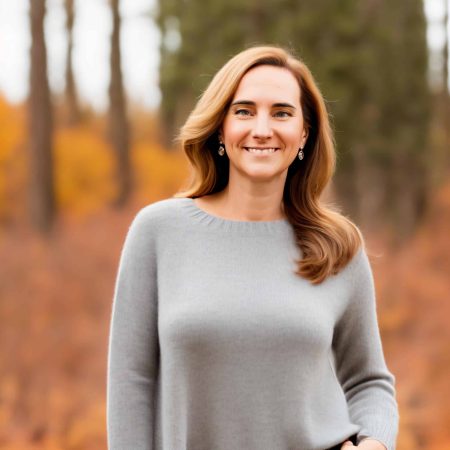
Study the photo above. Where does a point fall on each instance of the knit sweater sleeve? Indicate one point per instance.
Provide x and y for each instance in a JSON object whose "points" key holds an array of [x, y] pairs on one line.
{"points": [[360, 365], [133, 345]]}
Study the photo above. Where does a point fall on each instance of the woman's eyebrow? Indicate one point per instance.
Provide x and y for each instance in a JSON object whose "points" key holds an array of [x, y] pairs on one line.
{"points": [[243, 102], [251, 103], [284, 105]]}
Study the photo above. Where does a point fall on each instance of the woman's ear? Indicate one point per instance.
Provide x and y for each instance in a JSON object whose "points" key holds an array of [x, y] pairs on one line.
{"points": [[304, 137]]}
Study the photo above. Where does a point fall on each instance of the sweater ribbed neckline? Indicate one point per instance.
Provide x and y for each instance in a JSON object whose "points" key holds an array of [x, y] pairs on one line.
{"points": [[244, 226]]}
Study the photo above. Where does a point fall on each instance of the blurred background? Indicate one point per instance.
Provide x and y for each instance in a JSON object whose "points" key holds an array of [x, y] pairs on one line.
{"points": [[92, 93]]}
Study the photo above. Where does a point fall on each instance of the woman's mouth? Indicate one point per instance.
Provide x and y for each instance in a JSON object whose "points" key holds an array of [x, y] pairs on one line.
{"points": [[261, 150]]}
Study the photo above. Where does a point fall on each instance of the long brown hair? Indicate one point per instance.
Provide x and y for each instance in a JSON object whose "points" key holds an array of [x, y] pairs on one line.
{"points": [[327, 239]]}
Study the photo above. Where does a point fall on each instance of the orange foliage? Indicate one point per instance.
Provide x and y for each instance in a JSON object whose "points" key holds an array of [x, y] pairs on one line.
{"points": [[55, 296], [84, 169], [414, 293], [158, 173], [54, 311], [12, 173], [84, 165]]}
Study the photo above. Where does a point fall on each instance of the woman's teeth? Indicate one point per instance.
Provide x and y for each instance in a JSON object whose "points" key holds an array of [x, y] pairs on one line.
{"points": [[261, 150]]}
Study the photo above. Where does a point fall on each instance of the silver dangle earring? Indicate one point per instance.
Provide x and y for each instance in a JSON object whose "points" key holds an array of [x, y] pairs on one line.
{"points": [[301, 155], [221, 150]]}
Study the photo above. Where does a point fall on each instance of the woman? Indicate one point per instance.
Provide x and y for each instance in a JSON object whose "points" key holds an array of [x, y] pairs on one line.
{"points": [[244, 313]]}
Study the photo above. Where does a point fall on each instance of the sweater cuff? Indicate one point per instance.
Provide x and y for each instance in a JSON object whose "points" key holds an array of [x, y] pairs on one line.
{"points": [[384, 430]]}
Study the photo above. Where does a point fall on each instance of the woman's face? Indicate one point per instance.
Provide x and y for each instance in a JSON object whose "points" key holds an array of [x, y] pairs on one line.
{"points": [[263, 128]]}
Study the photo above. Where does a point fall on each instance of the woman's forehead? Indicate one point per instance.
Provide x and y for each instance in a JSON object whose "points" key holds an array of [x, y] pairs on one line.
{"points": [[268, 83]]}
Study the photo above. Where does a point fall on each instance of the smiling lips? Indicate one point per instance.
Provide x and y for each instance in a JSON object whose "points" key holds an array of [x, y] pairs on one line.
{"points": [[261, 150]]}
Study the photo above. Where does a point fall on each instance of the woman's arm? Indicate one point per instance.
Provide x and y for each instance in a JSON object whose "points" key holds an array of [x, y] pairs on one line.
{"points": [[360, 366], [133, 342]]}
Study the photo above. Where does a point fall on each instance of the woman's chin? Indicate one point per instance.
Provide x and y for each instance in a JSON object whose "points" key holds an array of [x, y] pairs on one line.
{"points": [[260, 174]]}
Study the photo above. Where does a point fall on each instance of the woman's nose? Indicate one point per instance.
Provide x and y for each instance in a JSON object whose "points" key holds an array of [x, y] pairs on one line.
{"points": [[262, 127]]}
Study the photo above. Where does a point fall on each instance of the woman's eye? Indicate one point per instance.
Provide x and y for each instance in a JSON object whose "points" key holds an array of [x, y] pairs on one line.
{"points": [[283, 114], [242, 112]]}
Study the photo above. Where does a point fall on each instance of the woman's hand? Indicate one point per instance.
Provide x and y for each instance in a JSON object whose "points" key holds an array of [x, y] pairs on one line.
{"points": [[365, 444]]}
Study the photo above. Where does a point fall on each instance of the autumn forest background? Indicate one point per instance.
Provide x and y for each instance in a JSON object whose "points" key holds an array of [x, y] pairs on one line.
{"points": [[72, 179]]}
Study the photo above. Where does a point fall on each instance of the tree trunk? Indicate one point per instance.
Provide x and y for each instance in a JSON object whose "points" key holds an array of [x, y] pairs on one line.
{"points": [[369, 188], [118, 125], [41, 188], [446, 88], [446, 92], [73, 108]]}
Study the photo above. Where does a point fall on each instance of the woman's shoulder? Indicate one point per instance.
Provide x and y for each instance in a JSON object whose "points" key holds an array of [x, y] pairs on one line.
{"points": [[155, 219], [160, 213], [162, 209], [359, 270], [357, 266]]}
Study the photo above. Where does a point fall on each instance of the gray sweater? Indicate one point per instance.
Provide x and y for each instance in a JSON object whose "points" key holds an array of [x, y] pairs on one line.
{"points": [[215, 344]]}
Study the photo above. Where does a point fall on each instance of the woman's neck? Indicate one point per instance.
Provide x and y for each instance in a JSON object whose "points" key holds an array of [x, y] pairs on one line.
{"points": [[243, 205]]}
